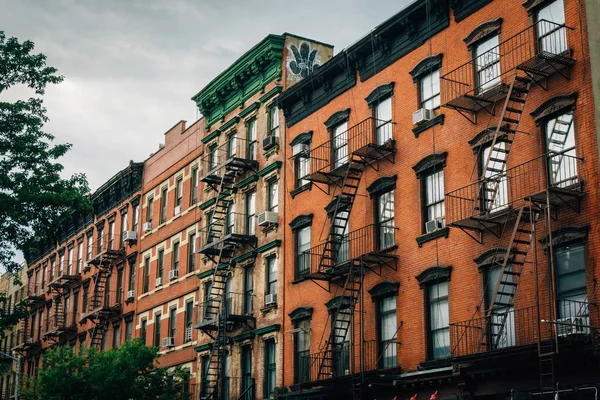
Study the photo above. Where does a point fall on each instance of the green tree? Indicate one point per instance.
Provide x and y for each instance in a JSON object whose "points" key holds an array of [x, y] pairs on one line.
{"points": [[34, 198], [128, 372]]}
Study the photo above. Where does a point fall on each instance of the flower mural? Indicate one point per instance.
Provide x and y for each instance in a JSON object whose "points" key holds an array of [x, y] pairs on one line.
{"points": [[303, 61]]}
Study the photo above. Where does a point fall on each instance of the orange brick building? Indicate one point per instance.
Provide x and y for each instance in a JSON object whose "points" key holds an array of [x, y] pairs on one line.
{"points": [[440, 216]]}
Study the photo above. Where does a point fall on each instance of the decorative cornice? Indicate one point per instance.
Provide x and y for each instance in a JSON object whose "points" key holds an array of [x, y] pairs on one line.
{"points": [[267, 329], [337, 118], [382, 185], [248, 181], [249, 110], [463, 8], [135, 200], [532, 5], [304, 137], [483, 30], [246, 256], [423, 126], [132, 258], [554, 105], [205, 274], [339, 302], [434, 275], [384, 289], [243, 336], [330, 207], [270, 168], [229, 124], [568, 235], [490, 256], [301, 313], [429, 163], [301, 221], [438, 233], [213, 135], [270, 94], [425, 66], [381, 92], [207, 203], [203, 347], [268, 246]]}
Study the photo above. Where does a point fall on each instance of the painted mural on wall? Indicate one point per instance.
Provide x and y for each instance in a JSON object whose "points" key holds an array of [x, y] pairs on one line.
{"points": [[302, 60]]}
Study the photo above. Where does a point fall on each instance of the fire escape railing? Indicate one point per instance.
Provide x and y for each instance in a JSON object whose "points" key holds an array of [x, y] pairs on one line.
{"points": [[235, 153]]}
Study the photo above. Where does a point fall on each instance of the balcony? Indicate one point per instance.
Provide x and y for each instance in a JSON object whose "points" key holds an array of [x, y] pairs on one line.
{"points": [[230, 159], [104, 304], [369, 140], [231, 231], [36, 296], [483, 335], [539, 51], [350, 359], [60, 324], [372, 245], [472, 207], [239, 308], [107, 250], [25, 339]]}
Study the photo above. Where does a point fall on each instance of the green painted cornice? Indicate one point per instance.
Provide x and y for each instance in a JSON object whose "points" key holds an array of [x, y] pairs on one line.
{"points": [[248, 110], [205, 274], [245, 256], [229, 123], [268, 246], [216, 133], [207, 203], [251, 179], [243, 336], [247, 76], [203, 347], [267, 329], [271, 93], [270, 168]]}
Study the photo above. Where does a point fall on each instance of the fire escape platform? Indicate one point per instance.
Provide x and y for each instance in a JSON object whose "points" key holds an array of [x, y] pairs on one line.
{"points": [[230, 243], [232, 167], [103, 312], [108, 257], [35, 300], [64, 281], [558, 195]]}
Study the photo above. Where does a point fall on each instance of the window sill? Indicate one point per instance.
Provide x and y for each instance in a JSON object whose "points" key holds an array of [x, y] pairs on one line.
{"points": [[438, 120], [300, 189], [431, 364], [298, 280], [268, 308], [129, 300], [433, 235]]}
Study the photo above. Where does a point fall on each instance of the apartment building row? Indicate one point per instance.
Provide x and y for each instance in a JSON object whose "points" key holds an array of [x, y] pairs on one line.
{"points": [[359, 224]]}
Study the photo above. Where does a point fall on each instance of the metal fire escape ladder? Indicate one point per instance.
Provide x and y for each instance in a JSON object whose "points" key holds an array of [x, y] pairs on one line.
{"points": [[96, 302], [512, 267], [504, 135], [556, 141]]}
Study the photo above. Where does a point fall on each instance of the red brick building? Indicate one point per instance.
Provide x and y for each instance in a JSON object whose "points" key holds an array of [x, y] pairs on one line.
{"points": [[440, 209]]}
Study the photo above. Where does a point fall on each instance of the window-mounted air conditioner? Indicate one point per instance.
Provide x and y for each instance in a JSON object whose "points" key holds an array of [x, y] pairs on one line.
{"points": [[130, 294], [422, 115], [300, 148], [267, 218], [173, 274], [168, 342], [188, 334], [270, 299], [433, 225], [130, 236], [147, 226], [270, 141], [158, 282], [177, 210]]}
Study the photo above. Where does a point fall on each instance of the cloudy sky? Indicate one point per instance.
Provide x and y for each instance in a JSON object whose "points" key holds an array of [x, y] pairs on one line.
{"points": [[131, 66]]}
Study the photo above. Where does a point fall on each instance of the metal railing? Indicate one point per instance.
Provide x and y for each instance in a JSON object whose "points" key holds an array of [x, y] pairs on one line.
{"points": [[235, 224], [348, 360], [61, 322], [515, 184], [105, 300], [107, 245], [486, 70], [520, 328], [233, 148], [369, 239], [235, 304], [335, 152]]}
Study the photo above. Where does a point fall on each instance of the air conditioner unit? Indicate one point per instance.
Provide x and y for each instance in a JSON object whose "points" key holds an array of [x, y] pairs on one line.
{"points": [[130, 294], [271, 299], [147, 226], [168, 342], [158, 282], [188, 334], [267, 218], [42, 291], [573, 326], [434, 225], [177, 210], [300, 148], [422, 115], [173, 274], [270, 141], [130, 236]]}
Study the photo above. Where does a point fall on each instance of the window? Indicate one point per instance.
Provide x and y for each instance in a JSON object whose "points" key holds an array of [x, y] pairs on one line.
{"points": [[494, 196], [274, 120], [439, 331], [385, 220], [341, 347], [429, 90], [116, 335], [433, 196], [194, 186], [560, 146], [339, 136], [52, 268], [383, 118], [150, 209], [487, 63], [111, 235], [251, 138], [205, 365], [189, 318], [226, 375], [128, 330], [302, 169], [571, 288], [246, 372], [213, 157], [75, 307], [123, 228], [178, 193], [302, 350], [70, 261], [136, 217], [40, 324], [131, 276], [341, 245], [191, 252], [229, 220], [231, 145], [61, 263], [120, 284], [163, 205], [250, 213], [497, 322], [79, 257], [143, 330], [207, 300], [172, 322], [160, 265], [387, 332], [270, 368], [45, 271], [156, 330], [89, 247], [552, 36], [272, 275], [175, 266], [273, 193], [84, 303], [146, 274], [302, 254], [248, 289], [104, 342]]}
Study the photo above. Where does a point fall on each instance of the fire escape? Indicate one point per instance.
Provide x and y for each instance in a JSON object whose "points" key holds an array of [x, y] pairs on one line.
{"points": [[518, 199], [104, 303], [340, 263], [225, 233]]}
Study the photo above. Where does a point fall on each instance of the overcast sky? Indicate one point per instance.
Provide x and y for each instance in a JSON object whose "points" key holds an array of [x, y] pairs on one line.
{"points": [[131, 66]]}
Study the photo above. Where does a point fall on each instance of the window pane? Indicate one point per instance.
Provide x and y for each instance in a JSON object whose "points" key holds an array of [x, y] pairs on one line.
{"points": [[551, 37], [430, 90], [340, 144], [487, 63]]}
